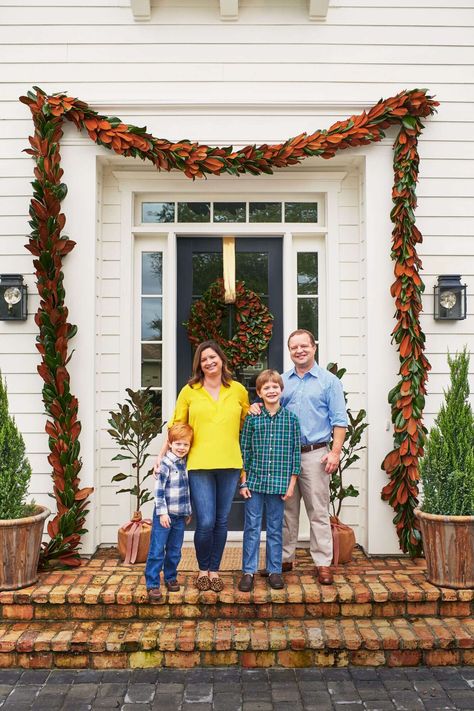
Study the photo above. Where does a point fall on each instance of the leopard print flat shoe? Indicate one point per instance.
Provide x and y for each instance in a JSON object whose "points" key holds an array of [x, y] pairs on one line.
{"points": [[217, 584], [202, 582]]}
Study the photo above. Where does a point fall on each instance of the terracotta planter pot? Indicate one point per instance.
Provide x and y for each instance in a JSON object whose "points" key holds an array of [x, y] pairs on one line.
{"points": [[20, 545], [448, 542]]}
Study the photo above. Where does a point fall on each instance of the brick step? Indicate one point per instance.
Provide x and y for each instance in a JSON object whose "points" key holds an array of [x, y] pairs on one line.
{"points": [[65, 596], [251, 643]]}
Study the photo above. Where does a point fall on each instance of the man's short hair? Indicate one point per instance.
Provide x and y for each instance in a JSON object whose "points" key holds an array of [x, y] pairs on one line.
{"points": [[301, 332], [180, 431], [268, 376]]}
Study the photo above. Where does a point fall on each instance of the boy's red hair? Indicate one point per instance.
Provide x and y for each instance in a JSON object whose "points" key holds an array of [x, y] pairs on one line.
{"points": [[180, 431]]}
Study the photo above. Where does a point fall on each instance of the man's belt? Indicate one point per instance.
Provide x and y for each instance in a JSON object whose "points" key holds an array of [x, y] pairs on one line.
{"points": [[310, 447]]}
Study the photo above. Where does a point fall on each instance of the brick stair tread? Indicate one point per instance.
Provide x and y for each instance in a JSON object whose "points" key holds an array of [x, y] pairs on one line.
{"points": [[237, 635], [125, 589]]}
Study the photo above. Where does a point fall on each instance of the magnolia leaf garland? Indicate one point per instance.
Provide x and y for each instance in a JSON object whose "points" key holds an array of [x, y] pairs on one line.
{"points": [[49, 247], [254, 323]]}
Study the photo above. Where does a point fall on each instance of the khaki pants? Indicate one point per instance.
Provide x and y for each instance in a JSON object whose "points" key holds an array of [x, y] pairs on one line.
{"points": [[313, 486]]}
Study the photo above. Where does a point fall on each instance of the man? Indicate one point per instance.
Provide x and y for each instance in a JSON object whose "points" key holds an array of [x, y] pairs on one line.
{"points": [[316, 397]]}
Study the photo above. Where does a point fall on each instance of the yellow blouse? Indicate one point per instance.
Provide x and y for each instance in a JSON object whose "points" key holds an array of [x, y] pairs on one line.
{"points": [[216, 424]]}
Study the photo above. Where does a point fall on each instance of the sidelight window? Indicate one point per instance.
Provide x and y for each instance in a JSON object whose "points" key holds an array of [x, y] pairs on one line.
{"points": [[152, 322]]}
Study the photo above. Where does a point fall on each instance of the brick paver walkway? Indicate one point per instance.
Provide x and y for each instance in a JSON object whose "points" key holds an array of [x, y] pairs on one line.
{"points": [[351, 689]]}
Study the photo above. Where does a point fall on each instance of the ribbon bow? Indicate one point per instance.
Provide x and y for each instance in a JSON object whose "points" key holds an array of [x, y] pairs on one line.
{"points": [[134, 528]]}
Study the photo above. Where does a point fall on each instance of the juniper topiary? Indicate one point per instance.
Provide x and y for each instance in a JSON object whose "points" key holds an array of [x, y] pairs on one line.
{"points": [[447, 468], [15, 469]]}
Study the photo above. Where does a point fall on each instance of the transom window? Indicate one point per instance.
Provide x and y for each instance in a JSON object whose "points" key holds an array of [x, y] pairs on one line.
{"points": [[222, 212]]}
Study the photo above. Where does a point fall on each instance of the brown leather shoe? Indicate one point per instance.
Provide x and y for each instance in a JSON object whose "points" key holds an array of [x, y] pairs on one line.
{"points": [[276, 581], [325, 576], [285, 568], [246, 583], [172, 585], [154, 594]]}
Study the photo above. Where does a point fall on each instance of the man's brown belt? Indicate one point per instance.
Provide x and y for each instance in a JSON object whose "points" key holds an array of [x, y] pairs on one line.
{"points": [[310, 447]]}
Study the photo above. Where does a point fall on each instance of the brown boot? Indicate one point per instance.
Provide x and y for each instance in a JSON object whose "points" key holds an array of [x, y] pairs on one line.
{"points": [[154, 594], [172, 585], [285, 568], [246, 583], [276, 581]]}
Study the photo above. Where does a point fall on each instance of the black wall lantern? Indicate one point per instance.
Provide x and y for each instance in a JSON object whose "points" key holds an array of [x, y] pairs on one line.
{"points": [[450, 298], [13, 298]]}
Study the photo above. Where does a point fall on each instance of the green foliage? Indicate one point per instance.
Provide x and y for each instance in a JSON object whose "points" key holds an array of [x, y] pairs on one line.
{"points": [[352, 444], [447, 468], [134, 425], [15, 469]]}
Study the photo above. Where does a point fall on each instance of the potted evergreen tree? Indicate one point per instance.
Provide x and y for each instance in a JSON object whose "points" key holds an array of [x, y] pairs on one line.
{"points": [[447, 474], [133, 427], [21, 524]]}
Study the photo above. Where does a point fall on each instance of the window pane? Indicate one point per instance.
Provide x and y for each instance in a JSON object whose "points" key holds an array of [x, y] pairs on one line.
{"points": [[152, 272], [265, 212], [207, 267], [308, 315], [229, 212], [194, 211], [151, 365], [151, 319], [301, 211], [307, 270], [158, 212], [252, 267]]}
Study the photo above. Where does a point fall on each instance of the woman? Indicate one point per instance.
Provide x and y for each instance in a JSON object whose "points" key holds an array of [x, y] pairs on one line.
{"points": [[215, 406]]}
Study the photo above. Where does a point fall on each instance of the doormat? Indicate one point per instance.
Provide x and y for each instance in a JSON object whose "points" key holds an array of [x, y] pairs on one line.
{"points": [[231, 560]]}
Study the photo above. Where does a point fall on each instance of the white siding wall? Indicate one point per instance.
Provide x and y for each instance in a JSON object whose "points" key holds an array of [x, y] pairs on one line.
{"points": [[186, 73]]}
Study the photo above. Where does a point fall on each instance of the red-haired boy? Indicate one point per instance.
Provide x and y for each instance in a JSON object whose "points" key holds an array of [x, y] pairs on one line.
{"points": [[171, 513]]}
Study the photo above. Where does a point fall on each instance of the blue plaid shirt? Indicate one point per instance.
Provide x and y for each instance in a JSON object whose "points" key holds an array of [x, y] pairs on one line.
{"points": [[172, 487]]}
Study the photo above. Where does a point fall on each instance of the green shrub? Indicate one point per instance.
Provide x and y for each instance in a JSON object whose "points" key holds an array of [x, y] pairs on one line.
{"points": [[15, 469], [447, 468]]}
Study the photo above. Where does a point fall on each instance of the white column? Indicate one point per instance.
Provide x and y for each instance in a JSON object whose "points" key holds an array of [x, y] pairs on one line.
{"points": [[382, 358], [80, 175]]}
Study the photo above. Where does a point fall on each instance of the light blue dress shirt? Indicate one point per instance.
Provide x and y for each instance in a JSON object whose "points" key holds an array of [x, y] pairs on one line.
{"points": [[317, 399]]}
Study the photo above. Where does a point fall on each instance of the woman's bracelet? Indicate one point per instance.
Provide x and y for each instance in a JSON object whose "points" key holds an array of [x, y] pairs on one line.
{"points": [[243, 485]]}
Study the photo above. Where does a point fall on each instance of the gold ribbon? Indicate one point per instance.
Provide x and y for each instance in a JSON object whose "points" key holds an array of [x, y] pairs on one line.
{"points": [[228, 260]]}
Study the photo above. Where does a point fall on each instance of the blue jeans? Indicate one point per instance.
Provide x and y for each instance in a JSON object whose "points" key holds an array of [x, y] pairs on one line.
{"points": [[212, 491], [165, 550], [274, 509]]}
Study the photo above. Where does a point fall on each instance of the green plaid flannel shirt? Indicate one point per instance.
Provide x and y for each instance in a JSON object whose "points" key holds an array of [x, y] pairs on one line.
{"points": [[271, 450]]}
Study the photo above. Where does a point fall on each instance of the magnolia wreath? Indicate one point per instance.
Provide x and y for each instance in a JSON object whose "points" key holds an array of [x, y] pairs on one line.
{"points": [[254, 323]]}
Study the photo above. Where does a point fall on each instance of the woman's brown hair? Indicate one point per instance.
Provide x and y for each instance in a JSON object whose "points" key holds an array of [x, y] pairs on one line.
{"points": [[197, 374]]}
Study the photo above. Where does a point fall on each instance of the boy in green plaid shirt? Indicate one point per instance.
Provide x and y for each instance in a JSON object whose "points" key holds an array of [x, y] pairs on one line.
{"points": [[271, 450]]}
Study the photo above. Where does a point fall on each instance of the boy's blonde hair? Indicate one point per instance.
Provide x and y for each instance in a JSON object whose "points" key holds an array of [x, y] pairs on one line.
{"points": [[268, 376], [180, 431]]}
